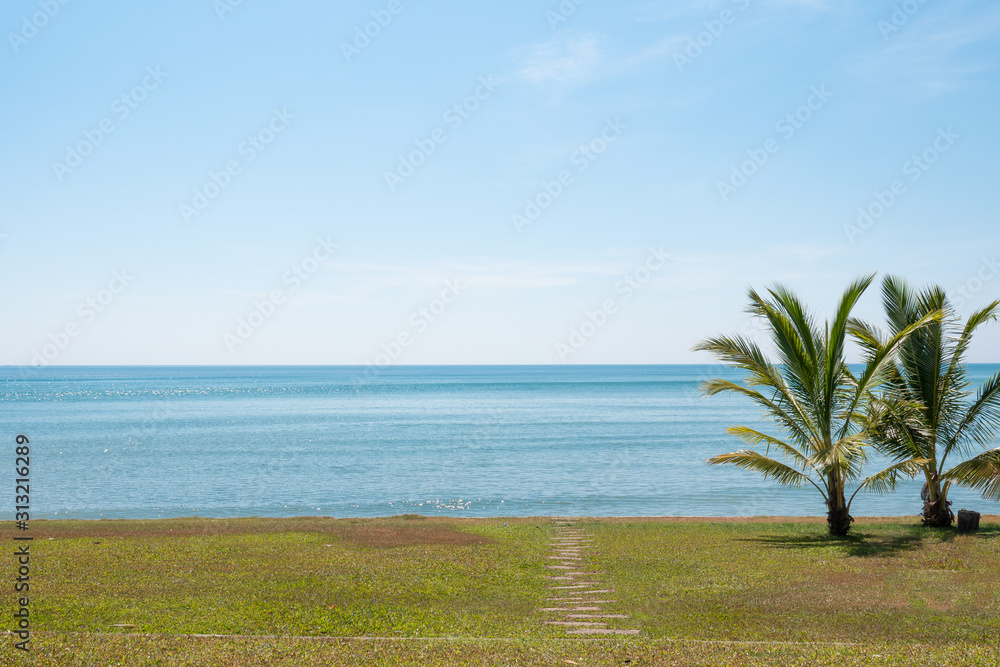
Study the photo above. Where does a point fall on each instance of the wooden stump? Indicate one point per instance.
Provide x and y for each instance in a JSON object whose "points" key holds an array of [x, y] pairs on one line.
{"points": [[968, 522]]}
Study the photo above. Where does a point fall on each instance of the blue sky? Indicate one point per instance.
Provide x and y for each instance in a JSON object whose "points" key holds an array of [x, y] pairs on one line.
{"points": [[360, 193]]}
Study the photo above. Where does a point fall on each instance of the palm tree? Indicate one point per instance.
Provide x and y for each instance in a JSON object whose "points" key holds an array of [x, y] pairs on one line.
{"points": [[812, 397], [927, 410]]}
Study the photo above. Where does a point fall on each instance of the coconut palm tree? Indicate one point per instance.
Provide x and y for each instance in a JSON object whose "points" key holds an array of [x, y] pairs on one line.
{"points": [[813, 398], [927, 409]]}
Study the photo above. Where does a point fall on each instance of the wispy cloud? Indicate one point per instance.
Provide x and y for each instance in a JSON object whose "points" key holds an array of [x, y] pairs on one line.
{"points": [[571, 60], [485, 273], [657, 11], [939, 32], [670, 10], [664, 47], [567, 58], [354, 282], [931, 48]]}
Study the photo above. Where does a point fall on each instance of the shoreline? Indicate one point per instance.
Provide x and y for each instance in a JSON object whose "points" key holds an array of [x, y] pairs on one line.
{"points": [[984, 516]]}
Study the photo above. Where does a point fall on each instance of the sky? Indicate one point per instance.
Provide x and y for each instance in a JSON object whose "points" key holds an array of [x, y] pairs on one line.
{"points": [[492, 182]]}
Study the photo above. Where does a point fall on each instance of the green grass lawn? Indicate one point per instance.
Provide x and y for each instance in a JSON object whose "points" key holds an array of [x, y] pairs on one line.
{"points": [[889, 581], [388, 577], [446, 591]]}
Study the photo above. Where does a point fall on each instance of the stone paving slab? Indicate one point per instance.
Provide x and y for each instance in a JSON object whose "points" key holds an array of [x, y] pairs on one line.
{"points": [[582, 624], [576, 602]]}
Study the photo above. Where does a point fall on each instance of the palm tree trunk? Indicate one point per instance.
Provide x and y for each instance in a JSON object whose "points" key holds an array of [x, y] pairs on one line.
{"points": [[838, 517], [936, 512]]}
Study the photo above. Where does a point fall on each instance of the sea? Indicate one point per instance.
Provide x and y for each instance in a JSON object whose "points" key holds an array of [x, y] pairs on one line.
{"points": [[471, 441]]}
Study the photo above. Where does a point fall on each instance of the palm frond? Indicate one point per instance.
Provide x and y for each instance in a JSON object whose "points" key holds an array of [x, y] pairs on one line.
{"points": [[735, 350], [838, 330], [981, 473], [766, 466], [898, 301], [838, 453], [798, 365], [897, 428], [886, 480], [981, 422], [874, 373], [754, 437], [865, 335], [800, 428], [988, 313]]}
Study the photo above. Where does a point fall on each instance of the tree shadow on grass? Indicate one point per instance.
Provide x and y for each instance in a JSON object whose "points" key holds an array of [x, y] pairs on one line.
{"points": [[860, 545], [990, 530], [986, 532]]}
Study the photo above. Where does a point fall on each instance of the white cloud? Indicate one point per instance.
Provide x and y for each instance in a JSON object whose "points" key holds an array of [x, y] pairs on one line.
{"points": [[567, 58]]}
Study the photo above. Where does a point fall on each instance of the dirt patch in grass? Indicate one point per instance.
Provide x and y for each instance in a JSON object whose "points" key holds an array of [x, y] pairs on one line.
{"points": [[404, 536], [407, 530]]}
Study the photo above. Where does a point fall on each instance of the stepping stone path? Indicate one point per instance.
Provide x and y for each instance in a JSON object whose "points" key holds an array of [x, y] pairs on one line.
{"points": [[576, 595]]}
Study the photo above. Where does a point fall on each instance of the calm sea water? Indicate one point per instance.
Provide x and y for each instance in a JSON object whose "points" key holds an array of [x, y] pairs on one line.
{"points": [[142, 442]]}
